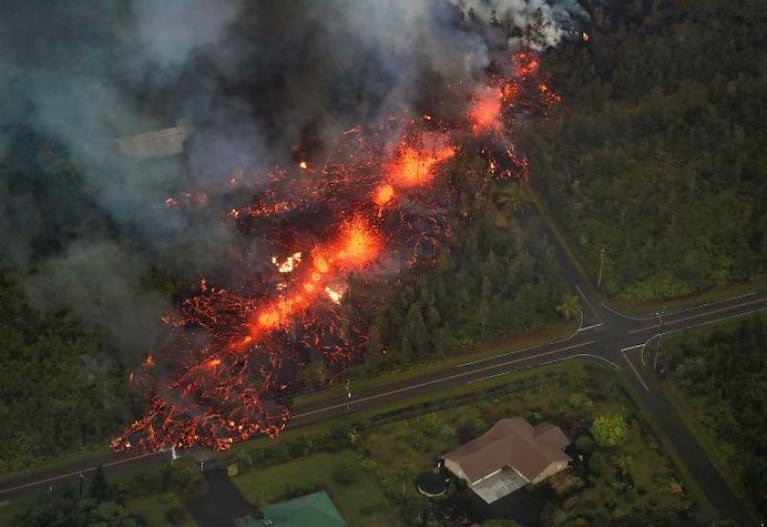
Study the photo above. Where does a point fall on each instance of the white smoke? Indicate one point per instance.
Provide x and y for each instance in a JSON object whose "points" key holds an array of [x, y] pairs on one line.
{"points": [[551, 20], [251, 78]]}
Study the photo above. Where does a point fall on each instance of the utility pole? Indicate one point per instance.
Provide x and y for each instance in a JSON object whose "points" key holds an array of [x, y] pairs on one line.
{"points": [[659, 317], [601, 267], [348, 394]]}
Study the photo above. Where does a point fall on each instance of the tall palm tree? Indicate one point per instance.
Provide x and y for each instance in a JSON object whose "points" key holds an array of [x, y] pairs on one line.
{"points": [[569, 306], [514, 197]]}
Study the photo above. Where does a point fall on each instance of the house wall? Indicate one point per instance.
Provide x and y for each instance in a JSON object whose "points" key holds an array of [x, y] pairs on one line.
{"points": [[455, 468], [553, 468]]}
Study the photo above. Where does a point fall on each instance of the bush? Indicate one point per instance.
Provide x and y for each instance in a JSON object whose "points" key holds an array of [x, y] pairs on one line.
{"points": [[609, 430], [584, 444], [243, 460], [344, 473], [176, 516], [597, 464]]}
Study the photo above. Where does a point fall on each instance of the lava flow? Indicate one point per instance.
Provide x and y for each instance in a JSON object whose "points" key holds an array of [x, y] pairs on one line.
{"points": [[231, 354]]}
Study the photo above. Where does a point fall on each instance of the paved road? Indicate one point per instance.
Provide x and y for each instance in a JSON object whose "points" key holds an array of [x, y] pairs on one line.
{"points": [[604, 335], [614, 338]]}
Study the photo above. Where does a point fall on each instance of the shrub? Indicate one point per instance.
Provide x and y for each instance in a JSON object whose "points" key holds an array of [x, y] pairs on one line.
{"points": [[609, 430], [176, 516], [597, 464], [584, 444]]}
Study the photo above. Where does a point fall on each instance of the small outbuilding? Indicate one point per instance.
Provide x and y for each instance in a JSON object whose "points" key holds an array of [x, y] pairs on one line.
{"points": [[312, 510]]}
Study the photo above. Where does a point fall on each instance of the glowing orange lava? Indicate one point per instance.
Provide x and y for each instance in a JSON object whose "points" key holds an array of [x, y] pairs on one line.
{"points": [[383, 194], [226, 387], [485, 110], [413, 167], [526, 64], [356, 245]]}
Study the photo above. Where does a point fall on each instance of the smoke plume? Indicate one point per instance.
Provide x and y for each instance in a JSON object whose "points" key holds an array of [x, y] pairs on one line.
{"points": [[251, 81]]}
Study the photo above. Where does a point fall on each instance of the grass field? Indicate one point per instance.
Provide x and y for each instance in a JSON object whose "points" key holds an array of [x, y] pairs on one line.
{"points": [[155, 510], [354, 492], [370, 471], [368, 461]]}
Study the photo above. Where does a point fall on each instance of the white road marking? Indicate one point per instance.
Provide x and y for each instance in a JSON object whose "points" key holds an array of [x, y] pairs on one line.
{"points": [[636, 372]]}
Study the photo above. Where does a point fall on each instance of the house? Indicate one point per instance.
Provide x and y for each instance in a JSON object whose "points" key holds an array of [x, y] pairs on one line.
{"points": [[155, 144], [312, 510], [508, 456]]}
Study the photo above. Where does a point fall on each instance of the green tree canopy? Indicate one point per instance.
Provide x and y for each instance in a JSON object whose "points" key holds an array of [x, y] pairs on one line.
{"points": [[609, 430]]}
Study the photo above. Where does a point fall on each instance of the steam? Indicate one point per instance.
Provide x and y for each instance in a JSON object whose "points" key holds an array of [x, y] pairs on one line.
{"points": [[91, 279], [251, 80], [552, 20]]}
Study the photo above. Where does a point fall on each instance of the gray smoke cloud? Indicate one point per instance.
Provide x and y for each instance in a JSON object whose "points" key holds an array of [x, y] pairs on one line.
{"points": [[554, 19], [100, 282], [250, 79]]}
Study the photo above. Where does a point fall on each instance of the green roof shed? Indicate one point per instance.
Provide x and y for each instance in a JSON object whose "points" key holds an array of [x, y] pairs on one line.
{"points": [[312, 510]]}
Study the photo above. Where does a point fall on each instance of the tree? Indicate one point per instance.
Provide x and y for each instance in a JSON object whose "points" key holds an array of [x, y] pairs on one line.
{"points": [[609, 430], [99, 486], [597, 463], [514, 197], [568, 306], [584, 444], [315, 374]]}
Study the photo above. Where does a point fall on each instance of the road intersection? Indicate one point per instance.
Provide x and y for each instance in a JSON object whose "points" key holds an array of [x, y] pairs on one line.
{"points": [[604, 335]]}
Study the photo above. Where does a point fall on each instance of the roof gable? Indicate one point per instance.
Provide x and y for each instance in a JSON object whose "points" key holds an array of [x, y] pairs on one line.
{"points": [[512, 443]]}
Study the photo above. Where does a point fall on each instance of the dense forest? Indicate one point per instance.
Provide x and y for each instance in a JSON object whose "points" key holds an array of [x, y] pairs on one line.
{"points": [[491, 279], [97, 247], [65, 379], [62, 389], [656, 153], [724, 373]]}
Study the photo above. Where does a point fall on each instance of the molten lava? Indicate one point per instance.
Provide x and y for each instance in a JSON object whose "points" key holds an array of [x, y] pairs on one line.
{"points": [[412, 167], [383, 194], [485, 109], [231, 353]]}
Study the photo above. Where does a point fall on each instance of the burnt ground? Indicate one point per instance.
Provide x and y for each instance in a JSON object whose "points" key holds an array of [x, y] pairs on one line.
{"points": [[221, 504]]}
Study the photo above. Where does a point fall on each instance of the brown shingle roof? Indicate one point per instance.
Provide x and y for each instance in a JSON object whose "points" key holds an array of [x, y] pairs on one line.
{"points": [[514, 443]]}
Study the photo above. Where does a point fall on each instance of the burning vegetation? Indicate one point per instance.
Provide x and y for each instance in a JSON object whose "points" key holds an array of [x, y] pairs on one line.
{"points": [[369, 209]]}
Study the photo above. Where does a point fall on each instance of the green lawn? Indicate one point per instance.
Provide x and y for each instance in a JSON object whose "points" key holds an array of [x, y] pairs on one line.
{"points": [[356, 494], [155, 509], [370, 469]]}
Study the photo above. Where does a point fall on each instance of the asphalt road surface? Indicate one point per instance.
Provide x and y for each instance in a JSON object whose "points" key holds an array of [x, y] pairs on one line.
{"points": [[611, 337], [604, 335]]}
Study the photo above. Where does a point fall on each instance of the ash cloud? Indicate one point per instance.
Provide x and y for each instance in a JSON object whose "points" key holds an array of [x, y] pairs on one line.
{"points": [[252, 79]]}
